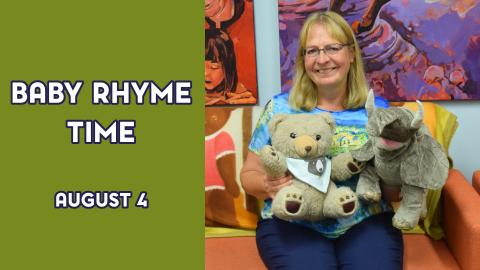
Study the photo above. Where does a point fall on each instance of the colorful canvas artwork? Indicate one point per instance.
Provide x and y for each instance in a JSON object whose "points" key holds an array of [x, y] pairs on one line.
{"points": [[230, 66], [227, 133], [423, 49]]}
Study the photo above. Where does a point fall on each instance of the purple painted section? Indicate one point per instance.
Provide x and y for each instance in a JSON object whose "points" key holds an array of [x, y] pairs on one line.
{"points": [[412, 50]]}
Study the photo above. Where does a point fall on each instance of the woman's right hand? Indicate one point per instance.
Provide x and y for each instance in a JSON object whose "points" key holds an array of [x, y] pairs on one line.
{"points": [[273, 185]]}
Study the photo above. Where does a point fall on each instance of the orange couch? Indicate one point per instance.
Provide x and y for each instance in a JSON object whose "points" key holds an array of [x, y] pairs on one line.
{"points": [[460, 249], [476, 180]]}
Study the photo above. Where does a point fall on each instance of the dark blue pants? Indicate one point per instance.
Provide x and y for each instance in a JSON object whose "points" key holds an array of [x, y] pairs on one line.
{"points": [[372, 244]]}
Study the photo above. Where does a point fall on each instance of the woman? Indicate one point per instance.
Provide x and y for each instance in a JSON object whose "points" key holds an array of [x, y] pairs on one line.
{"points": [[221, 81], [329, 78]]}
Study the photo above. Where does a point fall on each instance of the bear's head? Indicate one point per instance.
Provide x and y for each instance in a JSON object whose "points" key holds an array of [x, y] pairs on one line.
{"points": [[303, 136]]}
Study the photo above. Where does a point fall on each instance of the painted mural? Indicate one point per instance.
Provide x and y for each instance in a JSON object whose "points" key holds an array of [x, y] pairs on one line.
{"points": [[227, 133], [422, 49], [230, 66]]}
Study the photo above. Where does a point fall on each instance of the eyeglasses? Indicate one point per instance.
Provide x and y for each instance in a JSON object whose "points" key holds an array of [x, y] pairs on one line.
{"points": [[331, 49]]}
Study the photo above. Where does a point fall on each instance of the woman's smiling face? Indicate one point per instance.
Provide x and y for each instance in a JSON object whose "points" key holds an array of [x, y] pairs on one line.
{"points": [[327, 71]]}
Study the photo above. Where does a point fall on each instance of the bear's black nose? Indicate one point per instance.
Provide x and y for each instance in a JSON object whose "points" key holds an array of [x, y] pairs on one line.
{"points": [[308, 148]]}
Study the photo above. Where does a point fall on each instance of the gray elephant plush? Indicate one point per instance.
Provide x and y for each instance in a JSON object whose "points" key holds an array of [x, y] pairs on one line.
{"points": [[401, 152], [300, 144]]}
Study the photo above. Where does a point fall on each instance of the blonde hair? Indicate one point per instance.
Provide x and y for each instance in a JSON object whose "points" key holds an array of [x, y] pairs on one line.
{"points": [[303, 94]]}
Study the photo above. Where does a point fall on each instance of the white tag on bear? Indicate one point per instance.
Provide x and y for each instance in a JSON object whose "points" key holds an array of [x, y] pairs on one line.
{"points": [[315, 172]]}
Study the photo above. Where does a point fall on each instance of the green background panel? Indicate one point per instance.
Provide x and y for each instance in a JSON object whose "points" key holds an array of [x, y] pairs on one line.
{"points": [[101, 40]]}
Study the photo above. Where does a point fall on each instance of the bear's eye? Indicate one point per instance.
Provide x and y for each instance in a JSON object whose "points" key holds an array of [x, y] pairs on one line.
{"points": [[293, 135], [318, 137]]}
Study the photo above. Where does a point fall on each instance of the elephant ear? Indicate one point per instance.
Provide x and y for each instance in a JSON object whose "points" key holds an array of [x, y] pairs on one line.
{"points": [[364, 153], [427, 166]]}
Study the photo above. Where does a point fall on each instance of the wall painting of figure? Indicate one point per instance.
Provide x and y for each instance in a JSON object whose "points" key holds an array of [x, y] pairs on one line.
{"points": [[230, 65]]}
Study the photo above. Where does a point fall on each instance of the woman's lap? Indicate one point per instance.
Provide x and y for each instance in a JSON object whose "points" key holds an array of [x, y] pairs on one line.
{"points": [[372, 244], [284, 245]]}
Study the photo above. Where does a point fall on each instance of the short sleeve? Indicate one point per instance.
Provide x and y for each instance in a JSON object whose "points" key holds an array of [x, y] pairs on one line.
{"points": [[261, 136], [224, 145]]}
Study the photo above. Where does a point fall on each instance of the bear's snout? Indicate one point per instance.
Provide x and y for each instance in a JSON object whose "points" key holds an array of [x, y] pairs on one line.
{"points": [[305, 146]]}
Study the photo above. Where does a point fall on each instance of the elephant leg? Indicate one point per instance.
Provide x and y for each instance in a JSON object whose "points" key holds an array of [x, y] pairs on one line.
{"points": [[368, 187], [408, 213]]}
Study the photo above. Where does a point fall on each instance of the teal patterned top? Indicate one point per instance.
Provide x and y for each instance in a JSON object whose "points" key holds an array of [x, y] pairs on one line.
{"points": [[350, 133]]}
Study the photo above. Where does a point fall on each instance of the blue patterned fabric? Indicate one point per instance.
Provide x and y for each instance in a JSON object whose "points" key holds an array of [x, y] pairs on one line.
{"points": [[350, 133]]}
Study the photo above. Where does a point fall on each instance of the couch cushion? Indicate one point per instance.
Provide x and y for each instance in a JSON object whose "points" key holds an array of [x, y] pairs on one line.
{"points": [[476, 181], [422, 252], [232, 253]]}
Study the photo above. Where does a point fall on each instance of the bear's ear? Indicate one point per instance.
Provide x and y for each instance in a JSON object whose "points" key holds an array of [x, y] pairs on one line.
{"points": [[277, 119], [329, 119]]}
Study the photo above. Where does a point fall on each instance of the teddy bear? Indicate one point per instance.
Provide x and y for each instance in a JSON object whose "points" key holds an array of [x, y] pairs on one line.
{"points": [[400, 152], [300, 144]]}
